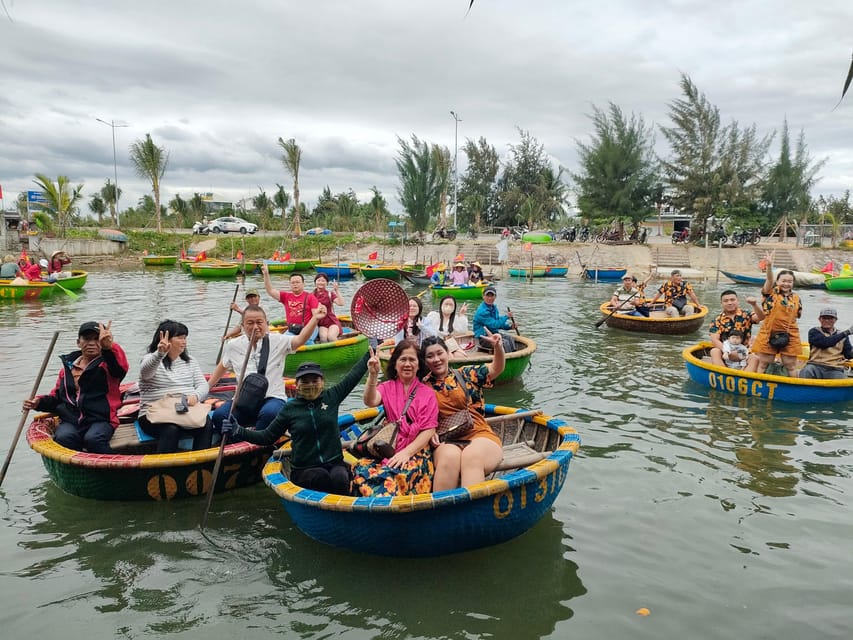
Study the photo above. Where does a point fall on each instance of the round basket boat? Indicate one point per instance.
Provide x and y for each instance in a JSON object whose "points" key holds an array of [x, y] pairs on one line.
{"points": [[605, 274], [658, 322], [460, 292], [335, 271], [341, 353], [218, 270], [164, 476], [387, 271], [762, 385], [75, 281], [537, 453], [515, 363], [159, 261], [29, 291]]}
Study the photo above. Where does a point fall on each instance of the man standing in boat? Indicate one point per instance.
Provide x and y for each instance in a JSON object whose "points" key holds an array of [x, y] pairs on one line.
{"points": [[298, 303], [829, 349], [267, 354], [676, 293], [87, 395], [730, 319]]}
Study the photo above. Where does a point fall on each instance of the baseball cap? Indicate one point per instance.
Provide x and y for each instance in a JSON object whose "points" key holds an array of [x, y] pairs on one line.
{"points": [[88, 327], [829, 312], [252, 292], [309, 369], [490, 289]]}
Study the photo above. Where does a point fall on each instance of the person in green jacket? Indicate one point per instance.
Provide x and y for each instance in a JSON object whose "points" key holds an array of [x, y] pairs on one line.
{"points": [[311, 418]]}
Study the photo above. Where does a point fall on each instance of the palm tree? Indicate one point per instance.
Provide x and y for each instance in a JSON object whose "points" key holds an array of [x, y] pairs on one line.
{"points": [[379, 206], [108, 195], [197, 207], [263, 205], [60, 198], [291, 159], [281, 199], [98, 207], [182, 210], [150, 162]]}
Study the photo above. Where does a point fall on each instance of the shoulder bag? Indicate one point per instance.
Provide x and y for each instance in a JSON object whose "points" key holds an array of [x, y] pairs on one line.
{"points": [[779, 340], [379, 441], [253, 391], [165, 411], [458, 424]]}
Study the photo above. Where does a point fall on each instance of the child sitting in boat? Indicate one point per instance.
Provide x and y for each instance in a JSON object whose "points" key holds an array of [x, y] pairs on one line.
{"points": [[735, 353]]}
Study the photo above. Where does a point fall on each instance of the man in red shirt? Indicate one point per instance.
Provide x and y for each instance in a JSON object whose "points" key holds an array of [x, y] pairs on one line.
{"points": [[298, 303]]}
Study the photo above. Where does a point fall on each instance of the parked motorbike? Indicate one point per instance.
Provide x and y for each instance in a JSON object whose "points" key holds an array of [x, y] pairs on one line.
{"points": [[472, 233], [746, 236], [518, 232], [718, 235], [446, 234], [568, 234], [682, 235], [199, 228], [583, 234]]}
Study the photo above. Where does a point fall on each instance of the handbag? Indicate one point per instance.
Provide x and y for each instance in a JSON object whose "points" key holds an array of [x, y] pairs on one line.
{"points": [[163, 411], [379, 440], [457, 424], [679, 301], [779, 340], [253, 391]]}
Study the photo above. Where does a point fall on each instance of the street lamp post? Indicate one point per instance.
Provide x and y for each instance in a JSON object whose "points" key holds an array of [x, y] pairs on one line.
{"points": [[112, 124], [456, 120]]}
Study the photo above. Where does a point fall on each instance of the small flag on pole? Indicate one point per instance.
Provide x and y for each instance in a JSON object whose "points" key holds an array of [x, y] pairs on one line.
{"points": [[373, 255]]}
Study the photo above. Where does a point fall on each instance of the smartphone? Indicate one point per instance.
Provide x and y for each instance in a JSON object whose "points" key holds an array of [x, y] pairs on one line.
{"points": [[182, 407]]}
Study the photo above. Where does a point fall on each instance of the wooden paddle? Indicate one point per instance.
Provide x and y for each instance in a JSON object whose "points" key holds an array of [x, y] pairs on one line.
{"points": [[228, 322], [224, 439], [71, 294], [27, 411], [514, 326], [619, 306]]}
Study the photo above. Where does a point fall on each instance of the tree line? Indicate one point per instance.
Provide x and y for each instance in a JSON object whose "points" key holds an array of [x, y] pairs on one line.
{"points": [[711, 170]]}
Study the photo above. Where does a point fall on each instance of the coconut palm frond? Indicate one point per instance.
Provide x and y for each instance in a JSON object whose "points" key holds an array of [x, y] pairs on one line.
{"points": [[846, 84]]}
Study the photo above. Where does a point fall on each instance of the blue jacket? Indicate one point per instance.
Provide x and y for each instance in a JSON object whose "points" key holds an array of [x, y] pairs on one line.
{"points": [[487, 316]]}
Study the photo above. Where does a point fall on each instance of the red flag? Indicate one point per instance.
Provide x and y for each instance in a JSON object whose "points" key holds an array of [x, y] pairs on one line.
{"points": [[528, 246], [275, 256], [286, 257], [1, 190], [828, 268], [183, 254], [240, 257], [201, 256], [431, 268], [459, 258], [373, 255]]}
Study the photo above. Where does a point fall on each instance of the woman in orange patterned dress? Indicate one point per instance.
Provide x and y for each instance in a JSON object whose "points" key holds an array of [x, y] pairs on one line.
{"points": [[782, 308]]}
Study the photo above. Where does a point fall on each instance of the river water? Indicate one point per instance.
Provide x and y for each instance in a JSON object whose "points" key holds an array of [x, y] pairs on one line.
{"points": [[723, 516]]}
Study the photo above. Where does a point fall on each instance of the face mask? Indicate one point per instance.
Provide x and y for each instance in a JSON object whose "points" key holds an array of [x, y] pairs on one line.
{"points": [[310, 390]]}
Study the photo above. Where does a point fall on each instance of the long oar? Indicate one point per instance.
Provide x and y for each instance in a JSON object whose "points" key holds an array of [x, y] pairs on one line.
{"points": [[514, 326], [224, 439], [69, 293], [228, 322], [619, 306], [27, 411]]}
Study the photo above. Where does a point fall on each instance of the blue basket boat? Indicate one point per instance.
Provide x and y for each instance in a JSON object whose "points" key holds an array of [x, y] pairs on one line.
{"points": [[762, 385], [537, 453]]}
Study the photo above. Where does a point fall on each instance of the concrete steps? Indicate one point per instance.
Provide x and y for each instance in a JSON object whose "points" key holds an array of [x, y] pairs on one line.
{"points": [[673, 255]]}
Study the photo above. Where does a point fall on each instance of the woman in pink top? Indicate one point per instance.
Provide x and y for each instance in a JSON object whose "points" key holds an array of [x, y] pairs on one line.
{"points": [[410, 469], [459, 275], [330, 326]]}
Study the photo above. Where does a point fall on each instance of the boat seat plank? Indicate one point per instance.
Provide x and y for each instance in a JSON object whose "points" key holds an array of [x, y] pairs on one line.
{"points": [[519, 455], [125, 439]]}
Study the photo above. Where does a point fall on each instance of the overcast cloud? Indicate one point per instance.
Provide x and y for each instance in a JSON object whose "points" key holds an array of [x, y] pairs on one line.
{"points": [[217, 83]]}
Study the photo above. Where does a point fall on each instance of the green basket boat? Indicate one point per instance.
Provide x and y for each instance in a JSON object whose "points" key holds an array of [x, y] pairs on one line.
{"points": [[460, 292], [29, 291], [389, 271], [75, 282], [164, 476], [159, 261], [279, 266], [516, 362], [839, 283], [303, 265], [218, 270], [342, 353], [527, 272]]}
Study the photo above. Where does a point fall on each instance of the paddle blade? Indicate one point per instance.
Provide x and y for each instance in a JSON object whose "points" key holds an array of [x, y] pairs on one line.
{"points": [[71, 294], [379, 308]]}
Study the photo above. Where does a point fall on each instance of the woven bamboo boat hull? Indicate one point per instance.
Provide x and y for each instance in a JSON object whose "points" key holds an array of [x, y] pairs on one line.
{"points": [[464, 292], [343, 271], [31, 291], [76, 282], [159, 261], [515, 363], [527, 272], [839, 283], [276, 266], [343, 353], [665, 326], [608, 275], [762, 385], [370, 272], [221, 270], [435, 524], [143, 477]]}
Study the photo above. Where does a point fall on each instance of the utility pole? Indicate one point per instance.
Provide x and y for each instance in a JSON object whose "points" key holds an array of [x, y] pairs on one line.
{"points": [[456, 120], [112, 124]]}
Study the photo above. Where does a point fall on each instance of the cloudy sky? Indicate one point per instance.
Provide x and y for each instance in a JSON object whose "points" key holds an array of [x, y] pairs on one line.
{"points": [[216, 83]]}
